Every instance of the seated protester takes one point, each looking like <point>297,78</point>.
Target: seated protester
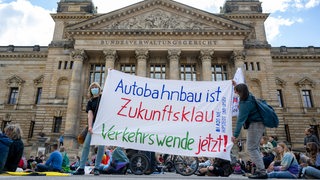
<point>54,163</point>
<point>205,162</point>
<point>23,163</point>
<point>16,147</point>
<point>65,160</point>
<point>311,169</point>
<point>29,162</point>
<point>220,167</point>
<point>288,166</point>
<point>117,164</point>
<point>5,143</point>
<point>75,164</point>
<point>266,148</point>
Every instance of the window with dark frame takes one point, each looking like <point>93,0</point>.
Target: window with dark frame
<point>128,68</point>
<point>280,97</point>
<point>97,74</point>
<point>188,72</point>
<point>219,72</point>
<point>38,95</point>
<point>307,100</point>
<point>60,64</point>
<point>245,66</point>
<point>57,121</point>
<point>158,71</point>
<point>65,64</point>
<point>31,129</point>
<point>13,97</point>
<point>71,64</point>
<point>288,136</point>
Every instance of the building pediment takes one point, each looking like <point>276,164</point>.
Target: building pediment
<point>305,82</point>
<point>158,15</point>
<point>15,80</point>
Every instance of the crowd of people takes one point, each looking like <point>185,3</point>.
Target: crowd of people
<point>268,158</point>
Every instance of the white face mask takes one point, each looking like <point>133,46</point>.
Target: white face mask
<point>95,91</point>
<point>235,95</point>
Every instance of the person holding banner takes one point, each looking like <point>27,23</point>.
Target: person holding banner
<point>250,118</point>
<point>94,92</point>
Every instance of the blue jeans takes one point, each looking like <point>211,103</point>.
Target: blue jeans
<point>85,153</point>
<point>281,175</point>
<point>311,171</point>
<point>254,135</point>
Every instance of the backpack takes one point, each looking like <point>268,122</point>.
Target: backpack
<point>269,116</point>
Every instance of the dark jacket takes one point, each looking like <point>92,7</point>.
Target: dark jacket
<point>14,156</point>
<point>248,111</point>
<point>5,143</point>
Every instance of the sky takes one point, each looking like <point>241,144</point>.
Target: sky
<point>291,23</point>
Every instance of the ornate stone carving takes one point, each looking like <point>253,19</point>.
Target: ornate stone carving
<point>79,54</point>
<point>305,82</point>
<point>174,54</point>
<point>110,54</point>
<point>206,54</point>
<point>16,80</point>
<point>238,55</point>
<point>38,80</point>
<point>142,54</point>
<point>157,20</point>
<point>280,82</point>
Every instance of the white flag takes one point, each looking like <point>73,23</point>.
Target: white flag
<point>238,78</point>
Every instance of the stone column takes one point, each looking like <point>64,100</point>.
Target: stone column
<point>142,55</point>
<point>110,56</point>
<point>238,56</point>
<point>206,58</point>
<point>173,57</point>
<point>74,101</point>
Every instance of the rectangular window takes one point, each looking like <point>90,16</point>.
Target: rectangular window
<point>97,74</point>
<point>13,97</point>
<point>60,64</point>
<point>57,124</point>
<point>128,68</point>
<point>280,97</point>
<point>158,71</point>
<point>31,129</point>
<point>188,72</point>
<point>245,66</point>
<point>258,66</point>
<point>288,136</point>
<point>38,96</point>
<point>307,100</point>
<point>65,64</point>
<point>219,72</point>
<point>71,64</point>
<point>4,124</point>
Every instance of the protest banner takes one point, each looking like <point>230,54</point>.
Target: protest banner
<point>166,116</point>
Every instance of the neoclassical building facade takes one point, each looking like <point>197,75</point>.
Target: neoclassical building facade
<point>44,88</point>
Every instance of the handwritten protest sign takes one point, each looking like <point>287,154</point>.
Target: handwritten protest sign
<point>166,116</point>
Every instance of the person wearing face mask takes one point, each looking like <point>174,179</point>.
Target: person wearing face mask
<point>94,92</point>
<point>250,118</point>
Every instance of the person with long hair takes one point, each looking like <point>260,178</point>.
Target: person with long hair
<point>250,118</point>
<point>94,92</point>
<point>311,169</point>
<point>286,167</point>
<point>13,131</point>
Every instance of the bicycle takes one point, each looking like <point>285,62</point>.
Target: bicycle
<point>184,165</point>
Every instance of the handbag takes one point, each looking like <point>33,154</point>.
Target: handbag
<point>82,136</point>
